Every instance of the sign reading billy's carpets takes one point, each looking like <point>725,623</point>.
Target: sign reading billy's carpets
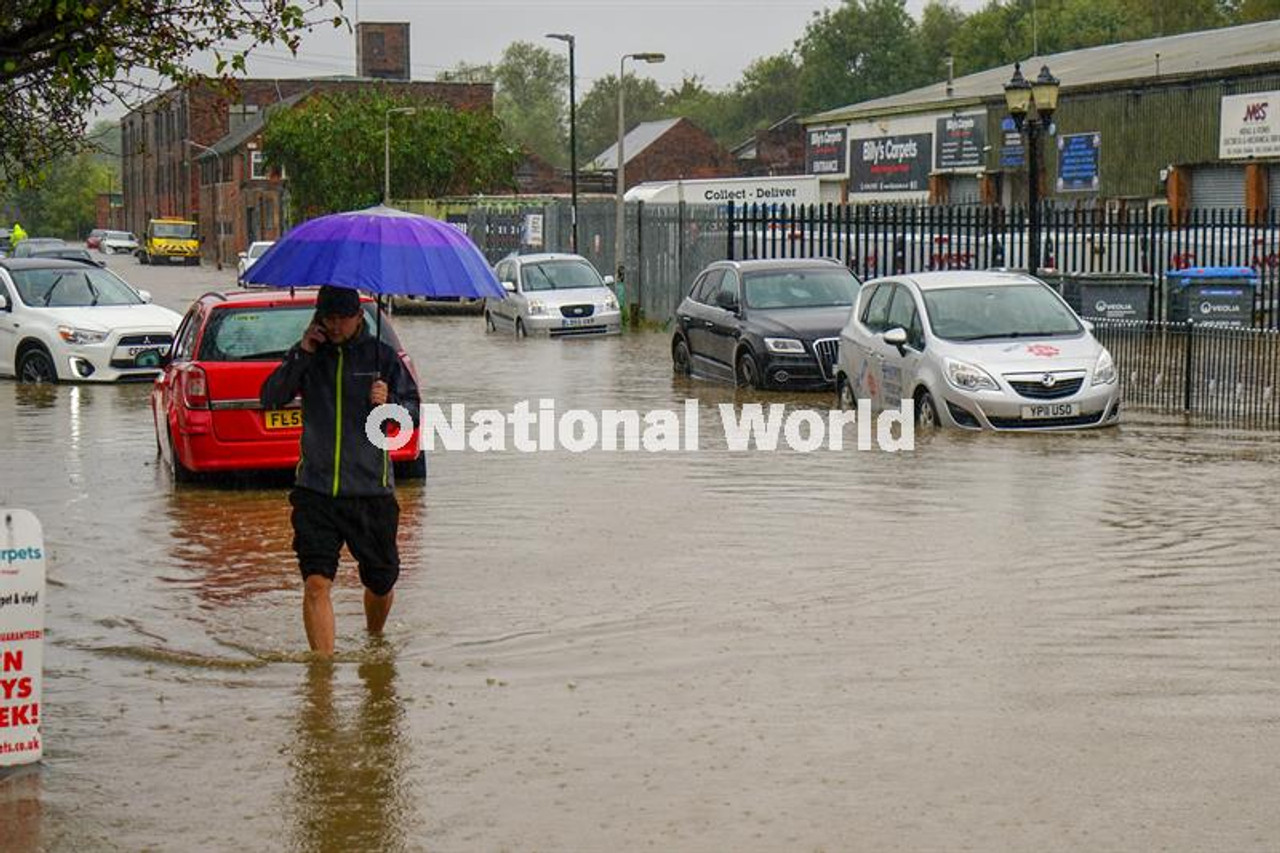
<point>21,636</point>
<point>1250,126</point>
<point>960,141</point>
<point>825,152</point>
<point>891,164</point>
<point>1079,162</point>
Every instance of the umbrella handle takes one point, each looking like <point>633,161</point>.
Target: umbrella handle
<point>378,339</point>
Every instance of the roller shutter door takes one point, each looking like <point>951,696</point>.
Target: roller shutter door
<point>964,189</point>
<point>1273,199</point>
<point>1218,186</point>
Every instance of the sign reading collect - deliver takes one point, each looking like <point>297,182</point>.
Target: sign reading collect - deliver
<point>21,636</point>
<point>1250,126</point>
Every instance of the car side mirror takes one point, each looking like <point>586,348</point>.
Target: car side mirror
<point>144,295</point>
<point>4,302</point>
<point>242,255</point>
<point>509,286</point>
<point>727,301</point>
<point>166,357</point>
<point>1088,325</point>
<point>896,337</point>
<point>610,280</point>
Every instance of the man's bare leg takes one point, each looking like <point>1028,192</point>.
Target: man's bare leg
<point>317,614</point>
<point>376,610</point>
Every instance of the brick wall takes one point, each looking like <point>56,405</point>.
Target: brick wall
<point>684,151</point>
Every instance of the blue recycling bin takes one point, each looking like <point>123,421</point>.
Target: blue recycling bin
<point>1220,295</point>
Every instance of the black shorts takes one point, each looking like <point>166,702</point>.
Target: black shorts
<point>367,525</point>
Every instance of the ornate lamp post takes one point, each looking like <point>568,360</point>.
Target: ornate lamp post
<point>1022,97</point>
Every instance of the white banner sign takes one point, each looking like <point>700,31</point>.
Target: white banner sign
<point>1250,126</point>
<point>21,636</point>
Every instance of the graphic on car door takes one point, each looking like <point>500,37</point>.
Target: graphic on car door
<point>900,364</point>
<point>866,356</point>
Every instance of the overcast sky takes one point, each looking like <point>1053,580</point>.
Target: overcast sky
<point>714,39</point>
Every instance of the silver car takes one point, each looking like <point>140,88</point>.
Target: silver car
<point>555,294</point>
<point>976,350</point>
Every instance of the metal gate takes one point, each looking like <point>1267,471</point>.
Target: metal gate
<point>1217,186</point>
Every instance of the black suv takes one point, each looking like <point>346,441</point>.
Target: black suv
<point>765,324</point>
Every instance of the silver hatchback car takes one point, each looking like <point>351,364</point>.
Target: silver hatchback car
<point>555,294</point>
<point>976,350</point>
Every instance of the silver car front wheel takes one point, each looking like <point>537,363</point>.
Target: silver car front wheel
<point>926,412</point>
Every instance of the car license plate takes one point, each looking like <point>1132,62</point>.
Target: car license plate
<point>284,418</point>
<point>578,321</point>
<point>1044,411</point>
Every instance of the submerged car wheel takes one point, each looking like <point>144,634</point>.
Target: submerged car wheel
<point>926,412</point>
<point>178,472</point>
<point>845,399</point>
<point>748,371</point>
<point>36,366</point>
<point>680,360</point>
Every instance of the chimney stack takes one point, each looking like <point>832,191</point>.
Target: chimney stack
<point>382,51</point>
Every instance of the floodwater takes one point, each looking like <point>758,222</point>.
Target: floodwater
<point>1054,643</point>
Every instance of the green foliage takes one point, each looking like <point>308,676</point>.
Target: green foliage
<point>1253,11</point>
<point>598,112</point>
<point>861,50</point>
<point>61,203</point>
<point>532,99</point>
<point>60,60</point>
<point>332,148</point>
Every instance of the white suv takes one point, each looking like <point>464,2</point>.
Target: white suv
<point>71,321</point>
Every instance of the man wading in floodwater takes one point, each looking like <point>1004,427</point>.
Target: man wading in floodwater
<point>345,489</point>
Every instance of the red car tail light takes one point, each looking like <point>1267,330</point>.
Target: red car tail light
<point>195,388</point>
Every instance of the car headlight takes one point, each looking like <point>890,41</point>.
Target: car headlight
<point>789,346</point>
<point>610,303</point>
<point>969,377</point>
<point>1104,373</point>
<point>536,307</point>
<point>73,335</point>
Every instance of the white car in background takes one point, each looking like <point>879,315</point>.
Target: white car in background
<point>554,294</point>
<point>114,242</point>
<point>249,257</point>
<point>69,321</point>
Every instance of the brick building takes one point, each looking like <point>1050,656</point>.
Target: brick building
<point>165,139</point>
<point>667,150</point>
<point>776,150</point>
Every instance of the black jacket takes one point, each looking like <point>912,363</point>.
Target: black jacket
<point>337,457</point>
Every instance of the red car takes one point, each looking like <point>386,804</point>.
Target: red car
<point>205,403</point>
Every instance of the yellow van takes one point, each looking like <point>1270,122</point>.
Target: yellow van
<point>170,240</point>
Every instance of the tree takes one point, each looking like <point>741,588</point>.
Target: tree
<point>1252,11</point>
<point>598,111</point>
<point>861,50</point>
<point>939,23</point>
<point>331,147</point>
<point>63,204</point>
<point>531,98</point>
<point>60,60</point>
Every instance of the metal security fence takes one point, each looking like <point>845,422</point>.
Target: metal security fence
<point>1221,374</point>
<point>876,241</point>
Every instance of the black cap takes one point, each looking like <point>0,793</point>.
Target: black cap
<point>337,301</point>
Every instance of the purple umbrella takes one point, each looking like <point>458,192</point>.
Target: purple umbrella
<point>382,251</point>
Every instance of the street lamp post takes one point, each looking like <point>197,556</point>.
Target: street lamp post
<point>620,244</point>
<point>1021,97</point>
<point>568,39</point>
<point>217,223</point>
<point>386,149</point>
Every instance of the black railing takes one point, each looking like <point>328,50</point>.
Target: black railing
<point>1221,374</point>
<point>876,241</point>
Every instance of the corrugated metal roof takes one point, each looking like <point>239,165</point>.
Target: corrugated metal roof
<point>1180,55</point>
<point>637,139</point>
